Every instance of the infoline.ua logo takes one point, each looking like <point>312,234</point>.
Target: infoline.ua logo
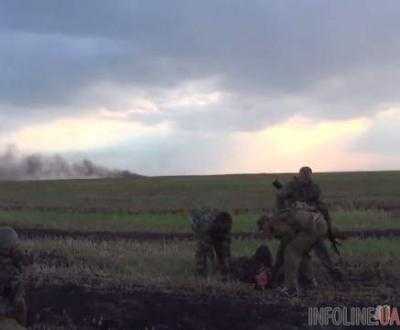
<point>382,315</point>
<point>387,315</point>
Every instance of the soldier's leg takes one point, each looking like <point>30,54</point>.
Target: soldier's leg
<point>277,270</point>
<point>18,299</point>
<point>223,252</point>
<point>203,252</point>
<point>321,252</point>
<point>293,257</point>
<point>306,275</point>
<point>279,258</point>
<point>21,311</point>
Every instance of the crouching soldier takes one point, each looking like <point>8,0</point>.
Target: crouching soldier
<point>12,290</point>
<point>212,230</point>
<point>298,230</point>
<point>254,270</point>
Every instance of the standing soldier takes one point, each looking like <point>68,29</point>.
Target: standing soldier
<point>12,290</point>
<point>303,191</point>
<point>212,230</point>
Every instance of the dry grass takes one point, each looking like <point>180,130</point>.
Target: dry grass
<point>169,265</point>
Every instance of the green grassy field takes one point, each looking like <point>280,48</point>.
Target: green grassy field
<point>158,194</point>
<point>356,219</point>
<point>356,200</point>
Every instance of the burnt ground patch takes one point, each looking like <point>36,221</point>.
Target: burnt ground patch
<point>73,306</point>
<point>79,307</point>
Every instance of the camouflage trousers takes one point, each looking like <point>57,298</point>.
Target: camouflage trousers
<point>305,275</point>
<point>293,257</point>
<point>12,296</point>
<point>208,249</point>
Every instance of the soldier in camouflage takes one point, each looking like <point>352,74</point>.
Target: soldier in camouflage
<point>12,290</point>
<point>212,229</point>
<point>298,231</point>
<point>303,190</point>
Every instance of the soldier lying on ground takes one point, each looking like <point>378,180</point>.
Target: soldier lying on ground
<point>253,270</point>
<point>12,290</point>
<point>298,231</point>
<point>212,231</point>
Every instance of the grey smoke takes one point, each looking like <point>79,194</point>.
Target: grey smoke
<point>15,166</point>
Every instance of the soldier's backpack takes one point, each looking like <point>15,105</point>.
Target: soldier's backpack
<point>210,221</point>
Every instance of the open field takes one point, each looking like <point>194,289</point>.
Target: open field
<point>170,264</point>
<point>155,273</point>
<point>174,223</point>
<point>115,262</point>
<point>172,194</point>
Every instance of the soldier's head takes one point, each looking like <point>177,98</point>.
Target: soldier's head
<point>263,256</point>
<point>305,174</point>
<point>9,241</point>
<point>222,225</point>
<point>263,224</point>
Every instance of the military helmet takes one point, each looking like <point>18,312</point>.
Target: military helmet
<point>8,238</point>
<point>305,173</point>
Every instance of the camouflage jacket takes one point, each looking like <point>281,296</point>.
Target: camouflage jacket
<point>298,191</point>
<point>209,222</point>
<point>11,276</point>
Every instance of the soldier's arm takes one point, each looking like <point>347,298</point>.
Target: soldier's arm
<point>284,195</point>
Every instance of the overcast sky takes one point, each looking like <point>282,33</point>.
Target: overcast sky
<point>194,87</point>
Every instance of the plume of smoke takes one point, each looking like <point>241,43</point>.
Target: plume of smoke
<point>15,166</point>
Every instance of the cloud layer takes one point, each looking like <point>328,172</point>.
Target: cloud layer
<point>177,81</point>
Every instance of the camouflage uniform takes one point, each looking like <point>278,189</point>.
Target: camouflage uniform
<point>308,192</point>
<point>12,290</point>
<point>299,230</point>
<point>212,229</point>
<point>247,269</point>
<point>301,191</point>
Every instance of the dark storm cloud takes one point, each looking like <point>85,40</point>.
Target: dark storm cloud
<point>335,59</point>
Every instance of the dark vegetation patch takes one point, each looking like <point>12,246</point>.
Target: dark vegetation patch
<point>151,236</point>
